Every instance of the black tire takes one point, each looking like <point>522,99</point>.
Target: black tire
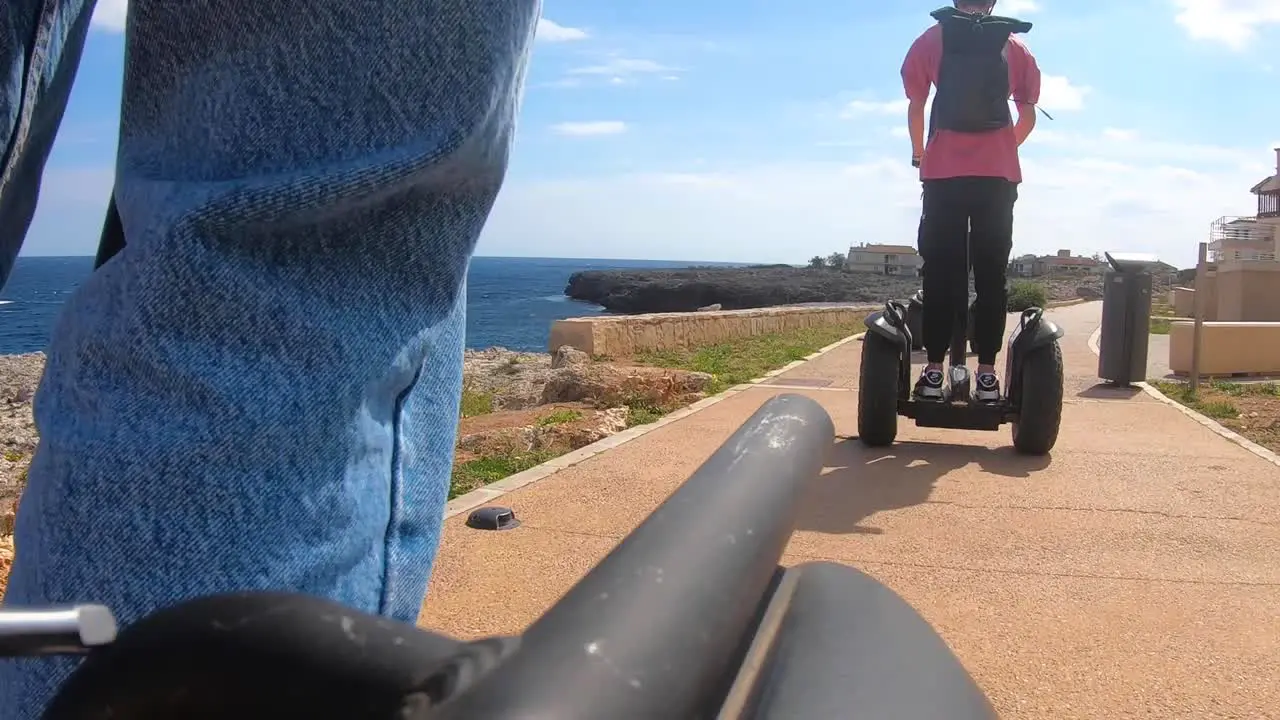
<point>1040,414</point>
<point>878,382</point>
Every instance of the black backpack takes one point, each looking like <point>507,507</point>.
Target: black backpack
<point>973,77</point>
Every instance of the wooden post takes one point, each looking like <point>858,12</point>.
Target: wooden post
<point>1201,272</point>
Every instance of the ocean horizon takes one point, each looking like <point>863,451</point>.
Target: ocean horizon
<point>511,302</point>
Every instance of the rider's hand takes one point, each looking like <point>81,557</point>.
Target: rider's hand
<point>915,161</point>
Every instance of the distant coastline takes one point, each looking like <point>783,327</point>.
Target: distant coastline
<point>511,302</point>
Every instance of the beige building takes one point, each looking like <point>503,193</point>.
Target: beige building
<point>1251,239</point>
<point>1242,239</point>
<point>1242,279</point>
<point>1061,263</point>
<point>884,259</point>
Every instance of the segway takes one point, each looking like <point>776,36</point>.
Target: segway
<point>1033,380</point>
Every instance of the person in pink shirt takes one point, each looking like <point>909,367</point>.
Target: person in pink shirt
<point>970,172</point>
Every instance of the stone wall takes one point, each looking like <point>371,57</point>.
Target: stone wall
<point>621,336</point>
<point>1226,348</point>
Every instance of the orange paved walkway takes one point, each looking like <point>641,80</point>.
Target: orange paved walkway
<point>1136,573</point>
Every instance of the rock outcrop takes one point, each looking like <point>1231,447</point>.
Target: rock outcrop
<point>575,428</point>
<point>707,289</point>
<point>644,291</point>
<point>604,385</point>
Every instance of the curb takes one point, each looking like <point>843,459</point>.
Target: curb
<point>491,492</point>
<point>1068,303</point>
<point>1204,420</point>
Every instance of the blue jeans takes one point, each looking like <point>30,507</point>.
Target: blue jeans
<point>261,390</point>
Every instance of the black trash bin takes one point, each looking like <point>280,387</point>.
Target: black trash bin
<point>1126,318</point>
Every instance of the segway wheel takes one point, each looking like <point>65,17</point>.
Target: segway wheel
<point>1040,414</point>
<point>878,381</point>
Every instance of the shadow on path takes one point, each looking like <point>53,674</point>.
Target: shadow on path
<point>1107,391</point>
<point>862,481</point>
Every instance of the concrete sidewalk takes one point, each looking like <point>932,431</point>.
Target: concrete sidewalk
<point>1132,574</point>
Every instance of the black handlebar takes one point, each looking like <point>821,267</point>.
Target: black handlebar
<point>690,616</point>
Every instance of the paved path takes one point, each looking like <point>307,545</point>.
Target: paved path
<point>1133,574</point>
<point>1158,358</point>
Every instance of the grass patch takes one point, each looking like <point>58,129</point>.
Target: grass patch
<point>12,455</point>
<point>483,471</point>
<point>730,364</point>
<point>476,403</point>
<point>738,361</point>
<point>1251,409</point>
<point>559,417</point>
<point>641,413</point>
<point>1210,404</point>
<point>1161,317</point>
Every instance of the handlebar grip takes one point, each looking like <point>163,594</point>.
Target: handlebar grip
<point>657,629</point>
<point>248,655</point>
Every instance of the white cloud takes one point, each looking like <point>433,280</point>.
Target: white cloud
<point>110,15</point>
<point>598,127</point>
<point>1234,23</point>
<point>1058,93</point>
<point>1086,193</point>
<point>863,108</point>
<point>1083,192</point>
<point>1016,8</point>
<point>552,32</point>
<point>621,66</point>
<point>1120,134</point>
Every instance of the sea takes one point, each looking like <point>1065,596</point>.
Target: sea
<point>511,302</point>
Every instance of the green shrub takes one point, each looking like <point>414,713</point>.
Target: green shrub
<point>1024,294</point>
<point>642,413</point>
<point>475,403</point>
<point>559,417</point>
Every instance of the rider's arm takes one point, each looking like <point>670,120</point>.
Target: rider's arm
<point>1026,93</point>
<point>918,70</point>
<point>915,126</point>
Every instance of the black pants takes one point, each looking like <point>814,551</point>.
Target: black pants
<point>976,212</point>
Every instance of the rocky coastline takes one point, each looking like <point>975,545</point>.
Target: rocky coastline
<point>528,402</point>
<point>692,289</point>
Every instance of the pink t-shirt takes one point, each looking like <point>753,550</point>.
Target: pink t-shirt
<point>951,154</point>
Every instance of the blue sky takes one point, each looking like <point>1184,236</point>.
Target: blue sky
<point>762,131</point>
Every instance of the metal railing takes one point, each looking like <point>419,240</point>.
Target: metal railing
<point>1238,239</point>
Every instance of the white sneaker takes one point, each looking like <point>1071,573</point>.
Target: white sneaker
<point>929,386</point>
<point>987,388</point>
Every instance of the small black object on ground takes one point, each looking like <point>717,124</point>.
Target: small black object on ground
<point>493,517</point>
